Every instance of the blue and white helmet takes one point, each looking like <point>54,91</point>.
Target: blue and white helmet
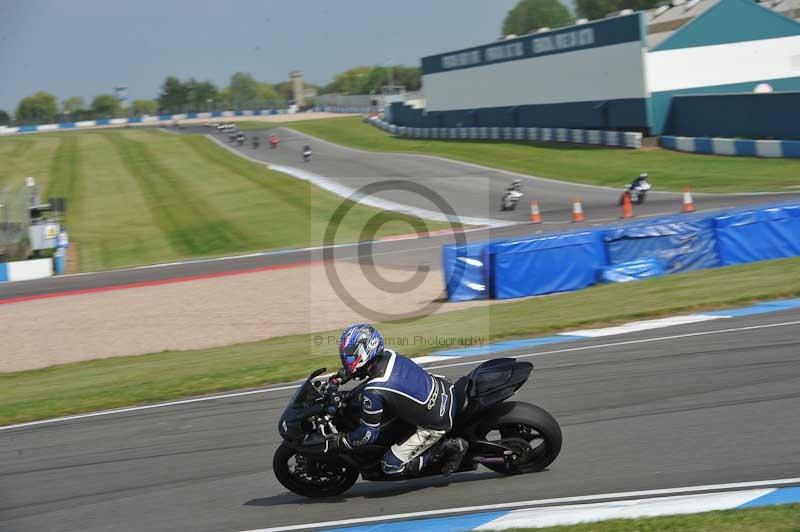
<point>359,345</point>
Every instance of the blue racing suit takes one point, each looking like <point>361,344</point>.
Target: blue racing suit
<point>398,387</point>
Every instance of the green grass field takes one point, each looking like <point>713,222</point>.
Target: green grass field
<point>116,382</point>
<point>615,167</point>
<point>139,196</point>
<point>780,518</point>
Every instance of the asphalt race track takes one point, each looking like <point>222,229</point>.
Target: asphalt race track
<point>679,406</point>
<point>471,190</point>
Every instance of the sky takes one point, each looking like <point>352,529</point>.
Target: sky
<point>85,47</point>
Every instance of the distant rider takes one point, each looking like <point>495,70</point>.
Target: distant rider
<point>396,386</point>
<point>637,183</point>
<point>515,185</point>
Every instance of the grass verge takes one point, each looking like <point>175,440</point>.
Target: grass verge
<point>144,196</point>
<point>780,518</point>
<point>115,382</point>
<point>614,167</point>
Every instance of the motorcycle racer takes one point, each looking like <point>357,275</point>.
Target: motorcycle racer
<point>398,387</point>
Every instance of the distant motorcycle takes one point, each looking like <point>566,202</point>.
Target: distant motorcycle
<point>510,200</point>
<point>273,141</point>
<point>638,191</point>
<point>306,154</point>
<point>255,142</point>
<point>512,196</point>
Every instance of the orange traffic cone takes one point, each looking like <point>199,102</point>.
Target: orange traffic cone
<point>627,208</point>
<point>536,217</point>
<point>577,210</point>
<point>688,203</point>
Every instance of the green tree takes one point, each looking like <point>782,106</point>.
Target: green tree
<point>267,94</point>
<point>5,118</point>
<point>143,107</point>
<point>529,15</point>
<point>244,90</point>
<point>372,79</point>
<point>284,89</point>
<point>595,9</point>
<point>73,105</point>
<point>203,95</point>
<point>350,81</point>
<point>106,106</point>
<point>225,98</point>
<point>407,76</point>
<point>39,108</point>
<point>174,96</point>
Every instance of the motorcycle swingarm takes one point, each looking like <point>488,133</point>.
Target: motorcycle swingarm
<point>487,448</point>
<point>484,452</point>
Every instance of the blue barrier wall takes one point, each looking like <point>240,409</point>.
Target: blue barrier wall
<point>548,264</point>
<point>465,271</point>
<point>758,235</point>
<point>570,261</point>
<point>681,245</point>
<point>633,270</point>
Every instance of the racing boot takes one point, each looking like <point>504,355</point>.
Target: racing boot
<point>450,453</point>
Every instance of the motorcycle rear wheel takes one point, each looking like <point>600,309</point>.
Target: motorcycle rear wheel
<point>331,478</point>
<point>536,440</point>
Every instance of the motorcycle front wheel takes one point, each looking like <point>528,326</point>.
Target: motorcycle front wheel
<point>310,477</point>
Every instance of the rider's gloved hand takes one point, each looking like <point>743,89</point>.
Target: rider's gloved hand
<point>335,443</point>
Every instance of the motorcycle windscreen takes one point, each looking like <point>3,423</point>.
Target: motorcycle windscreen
<point>307,394</point>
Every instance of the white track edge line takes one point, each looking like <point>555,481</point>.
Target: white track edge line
<point>541,502</point>
<point>470,362</point>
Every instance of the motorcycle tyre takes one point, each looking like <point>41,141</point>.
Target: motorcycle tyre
<point>280,467</point>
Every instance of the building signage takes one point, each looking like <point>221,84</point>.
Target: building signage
<point>563,41</point>
<point>595,34</point>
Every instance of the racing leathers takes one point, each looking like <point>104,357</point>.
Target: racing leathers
<point>397,386</point>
